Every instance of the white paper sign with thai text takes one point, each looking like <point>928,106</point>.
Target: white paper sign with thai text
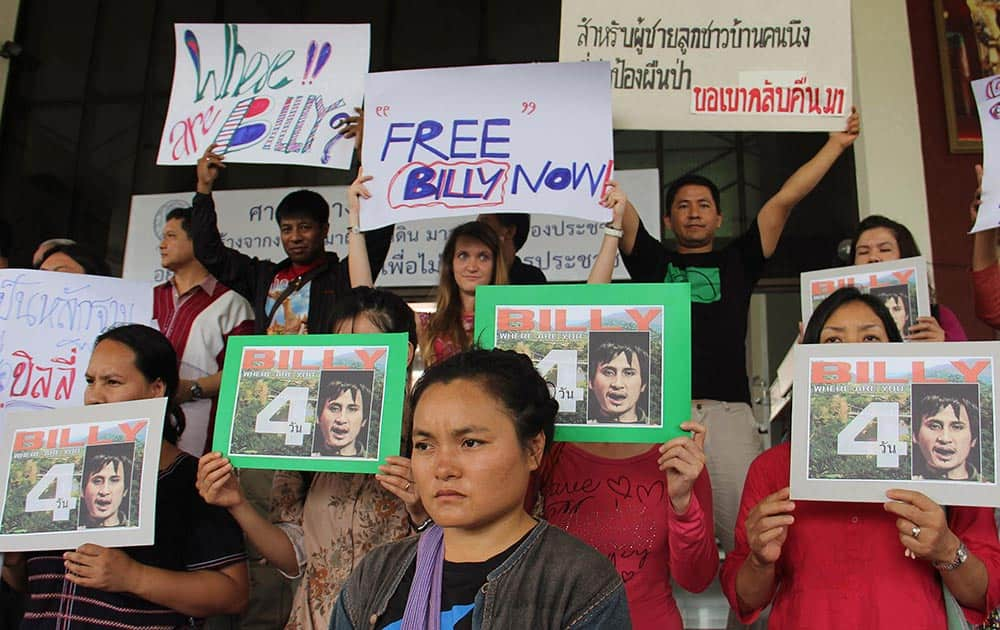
<point>265,93</point>
<point>563,248</point>
<point>751,65</point>
<point>459,141</point>
<point>987,93</point>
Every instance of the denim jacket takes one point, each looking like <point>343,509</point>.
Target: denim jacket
<point>551,581</point>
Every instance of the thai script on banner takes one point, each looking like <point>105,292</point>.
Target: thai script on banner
<point>671,68</point>
<point>265,93</point>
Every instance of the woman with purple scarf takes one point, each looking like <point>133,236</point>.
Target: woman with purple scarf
<point>481,423</point>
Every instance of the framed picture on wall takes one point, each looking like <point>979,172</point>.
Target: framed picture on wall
<point>968,33</point>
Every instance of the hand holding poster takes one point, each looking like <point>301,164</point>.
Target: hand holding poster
<point>987,93</point>
<point>265,93</point>
<point>48,323</point>
<point>329,403</point>
<point>80,475</point>
<point>617,357</point>
<point>900,284</point>
<point>753,65</point>
<point>870,418</point>
<point>518,138</point>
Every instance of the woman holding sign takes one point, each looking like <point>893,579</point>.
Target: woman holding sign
<point>197,565</point>
<point>856,565</point>
<point>324,523</point>
<point>481,423</point>
<point>647,507</point>
<point>880,239</point>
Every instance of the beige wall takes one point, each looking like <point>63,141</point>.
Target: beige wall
<point>890,166</point>
<point>8,20</point>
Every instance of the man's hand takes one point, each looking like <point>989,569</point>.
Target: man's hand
<point>851,131</point>
<point>209,165</point>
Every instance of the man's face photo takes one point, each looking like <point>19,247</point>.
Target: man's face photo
<point>103,493</point>
<point>945,440</point>
<point>340,422</point>
<point>617,385</point>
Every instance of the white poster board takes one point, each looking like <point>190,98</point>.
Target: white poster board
<point>987,93</point>
<point>867,418</point>
<point>266,93</point>
<point>750,65</point>
<point>900,284</point>
<point>48,323</point>
<point>47,460</point>
<point>563,248</point>
<point>459,141</point>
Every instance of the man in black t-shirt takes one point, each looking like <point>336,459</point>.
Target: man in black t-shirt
<point>722,282</point>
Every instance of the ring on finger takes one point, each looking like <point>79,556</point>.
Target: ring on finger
<point>407,488</point>
<point>915,531</point>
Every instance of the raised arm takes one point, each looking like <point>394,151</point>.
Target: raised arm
<point>604,264</point>
<point>232,268</point>
<point>984,244</point>
<point>774,214</point>
<point>219,486</point>
<point>359,266</point>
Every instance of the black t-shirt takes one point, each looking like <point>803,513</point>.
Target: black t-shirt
<point>722,282</point>
<point>523,273</point>
<point>460,581</point>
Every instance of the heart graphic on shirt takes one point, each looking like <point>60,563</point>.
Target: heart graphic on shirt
<point>627,575</point>
<point>621,486</point>
<point>650,495</point>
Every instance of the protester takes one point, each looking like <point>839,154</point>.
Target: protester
<point>722,282</point>
<point>823,564</point>
<point>985,266</point>
<point>481,423</point>
<point>198,314</point>
<point>513,228</point>
<point>322,524</point>
<point>74,259</point>
<point>44,247</point>
<point>196,566</point>
<point>880,239</point>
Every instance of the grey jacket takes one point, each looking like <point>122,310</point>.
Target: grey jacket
<point>552,581</point>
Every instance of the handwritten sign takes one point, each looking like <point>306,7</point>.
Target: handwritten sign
<point>564,248</point>
<point>80,475</point>
<point>750,65</point>
<point>901,284</point>
<point>870,417</point>
<point>517,138</point>
<point>48,323</point>
<point>266,93</point>
<point>617,358</point>
<point>987,93</point>
<point>316,402</point>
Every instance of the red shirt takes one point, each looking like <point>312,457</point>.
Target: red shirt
<point>842,565</point>
<point>986,291</point>
<point>621,508</point>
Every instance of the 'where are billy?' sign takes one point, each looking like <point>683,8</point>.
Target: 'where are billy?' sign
<point>459,141</point>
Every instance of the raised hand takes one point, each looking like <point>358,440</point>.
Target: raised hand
<point>396,476</point>
<point>217,482</point>
<point>926,329</point>
<point>767,527</point>
<point>851,130</point>
<point>209,165</point>
<point>683,459</point>
<point>616,199</point>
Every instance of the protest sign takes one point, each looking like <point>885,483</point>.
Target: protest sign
<point>48,323</point>
<point>987,92</point>
<point>752,65</point>
<point>265,93</point>
<point>563,248</point>
<point>871,417</point>
<point>616,357</point>
<point>900,284</point>
<point>329,403</point>
<point>516,138</point>
<point>80,475</point>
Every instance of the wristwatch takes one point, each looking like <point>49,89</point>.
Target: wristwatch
<point>196,392</point>
<point>960,557</point>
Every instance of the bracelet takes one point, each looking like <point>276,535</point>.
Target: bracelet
<point>353,229</point>
<point>421,527</point>
<point>611,230</point>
